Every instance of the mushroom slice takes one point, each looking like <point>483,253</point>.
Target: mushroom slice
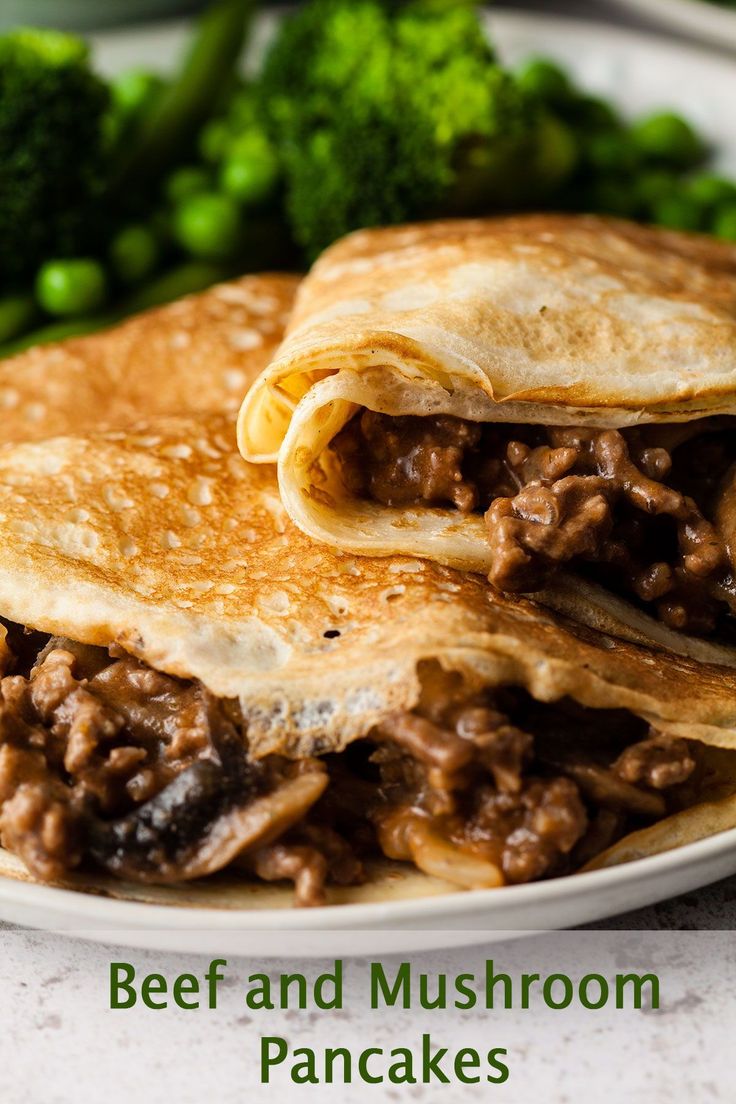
<point>201,821</point>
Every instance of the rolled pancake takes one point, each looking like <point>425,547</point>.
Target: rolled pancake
<point>548,320</point>
<point>160,542</point>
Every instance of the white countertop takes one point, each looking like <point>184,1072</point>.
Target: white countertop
<point>61,1043</point>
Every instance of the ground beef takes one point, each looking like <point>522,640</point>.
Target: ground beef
<point>659,762</point>
<point>109,764</point>
<point>411,459</point>
<point>106,761</point>
<point>310,856</point>
<point>526,787</point>
<point>540,823</point>
<point>606,499</point>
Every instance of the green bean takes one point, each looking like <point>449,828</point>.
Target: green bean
<point>187,100</point>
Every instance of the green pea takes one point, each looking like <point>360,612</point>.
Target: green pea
<point>251,169</point>
<point>134,253</point>
<point>159,223</point>
<point>208,225</point>
<point>251,142</point>
<point>612,196</point>
<point>544,79</point>
<point>655,185</point>
<point>593,113</point>
<point>611,151</point>
<point>711,190</point>
<point>187,181</point>
<point>669,138</point>
<point>214,140</point>
<point>242,110</point>
<point>135,90</point>
<point>724,223</point>
<point>556,152</point>
<point>678,212</point>
<point>16,315</point>
<point>70,287</point>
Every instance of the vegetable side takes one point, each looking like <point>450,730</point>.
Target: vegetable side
<point>117,196</point>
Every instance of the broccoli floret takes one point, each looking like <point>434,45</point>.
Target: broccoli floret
<point>52,150</point>
<point>385,112</point>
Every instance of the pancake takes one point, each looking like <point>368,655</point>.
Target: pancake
<point>546,399</point>
<point>196,355</point>
<point>192,686</point>
<point>200,687</point>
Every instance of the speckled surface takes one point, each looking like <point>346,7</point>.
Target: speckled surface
<point>60,1042</point>
<point>712,908</point>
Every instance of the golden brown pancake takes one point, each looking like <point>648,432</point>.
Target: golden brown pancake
<point>209,689</point>
<point>196,355</point>
<point>158,542</point>
<point>549,332</point>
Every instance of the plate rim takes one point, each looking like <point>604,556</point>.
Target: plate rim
<point>510,20</point>
<point>706,21</point>
<point>110,912</point>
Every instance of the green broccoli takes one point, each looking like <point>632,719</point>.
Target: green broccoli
<point>385,112</point>
<point>52,150</point>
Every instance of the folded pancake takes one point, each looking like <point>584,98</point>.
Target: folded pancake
<point>195,355</point>
<point>190,685</point>
<point>545,399</point>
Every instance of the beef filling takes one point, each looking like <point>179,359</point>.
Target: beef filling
<point>632,505</point>
<point>106,763</point>
<point>532,790</point>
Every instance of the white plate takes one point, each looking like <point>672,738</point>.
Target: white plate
<point>456,919</point>
<point>699,18</point>
<point>640,73</point>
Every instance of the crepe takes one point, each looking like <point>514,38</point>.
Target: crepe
<point>195,355</point>
<point>261,692</point>
<point>544,320</point>
<point>160,541</point>
<point>163,540</point>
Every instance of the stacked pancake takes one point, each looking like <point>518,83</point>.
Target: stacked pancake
<point>463,610</point>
